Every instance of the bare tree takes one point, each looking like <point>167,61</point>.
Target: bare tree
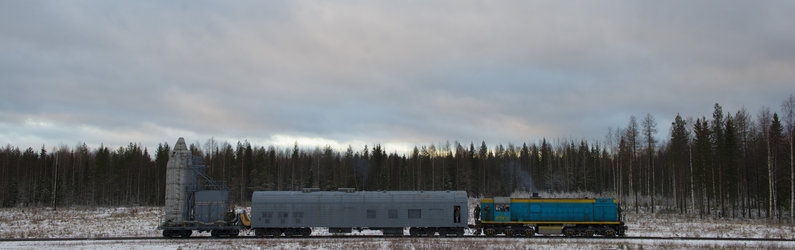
<point>690,162</point>
<point>649,129</point>
<point>764,125</point>
<point>632,140</point>
<point>787,108</point>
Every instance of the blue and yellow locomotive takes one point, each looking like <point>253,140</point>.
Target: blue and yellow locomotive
<point>570,217</point>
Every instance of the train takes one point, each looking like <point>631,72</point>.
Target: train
<point>195,202</point>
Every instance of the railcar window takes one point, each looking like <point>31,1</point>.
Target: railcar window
<point>267,216</point>
<point>393,213</point>
<point>283,216</point>
<point>371,213</point>
<point>298,216</point>
<point>415,213</point>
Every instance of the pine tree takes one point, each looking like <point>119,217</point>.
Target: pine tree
<point>678,150</point>
<point>730,155</point>
<point>702,153</point>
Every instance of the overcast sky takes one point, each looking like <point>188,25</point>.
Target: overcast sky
<point>396,73</point>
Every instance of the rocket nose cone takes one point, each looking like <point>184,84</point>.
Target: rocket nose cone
<point>180,144</point>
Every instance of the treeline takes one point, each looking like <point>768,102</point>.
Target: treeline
<point>81,176</point>
<point>730,164</point>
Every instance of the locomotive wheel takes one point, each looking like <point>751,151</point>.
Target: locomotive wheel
<point>589,233</point>
<point>509,232</point>
<point>610,233</point>
<point>569,233</point>
<point>186,233</point>
<point>490,232</point>
<point>168,234</point>
<point>414,232</point>
<point>529,232</point>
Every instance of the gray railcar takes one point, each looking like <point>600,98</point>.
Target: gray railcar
<point>293,213</point>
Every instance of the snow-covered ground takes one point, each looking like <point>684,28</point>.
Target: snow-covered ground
<point>142,221</point>
<point>399,243</point>
<point>89,222</point>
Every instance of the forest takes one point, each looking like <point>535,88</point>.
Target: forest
<point>730,164</point>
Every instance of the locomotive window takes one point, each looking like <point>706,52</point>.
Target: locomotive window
<point>415,213</point>
<point>393,213</point>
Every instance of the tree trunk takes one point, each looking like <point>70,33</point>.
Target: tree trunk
<point>792,181</point>
<point>692,182</point>
<point>770,183</point>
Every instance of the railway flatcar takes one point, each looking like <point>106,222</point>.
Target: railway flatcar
<point>294,213</point>
<point>570,217</point>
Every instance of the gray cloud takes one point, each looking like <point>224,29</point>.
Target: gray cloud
<point>393,72</point>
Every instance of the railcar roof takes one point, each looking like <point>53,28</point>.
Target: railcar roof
<point>299,196</point>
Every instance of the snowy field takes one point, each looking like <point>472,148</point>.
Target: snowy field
<point>400,243</point>
<point>87,222</point>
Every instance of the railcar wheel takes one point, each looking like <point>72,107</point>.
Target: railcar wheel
<point>305,232</point>
<point>186,233</point>
<point>274,232</point>
<point>259,232</point>
<point>459,232</point>
<point>215,234</point>
<point>414,232</point>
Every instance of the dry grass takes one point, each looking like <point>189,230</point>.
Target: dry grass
<point>78,222</point>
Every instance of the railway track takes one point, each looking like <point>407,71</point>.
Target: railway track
<point>320,237</point>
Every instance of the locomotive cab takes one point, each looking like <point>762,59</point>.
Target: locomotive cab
<point>502,209</point>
